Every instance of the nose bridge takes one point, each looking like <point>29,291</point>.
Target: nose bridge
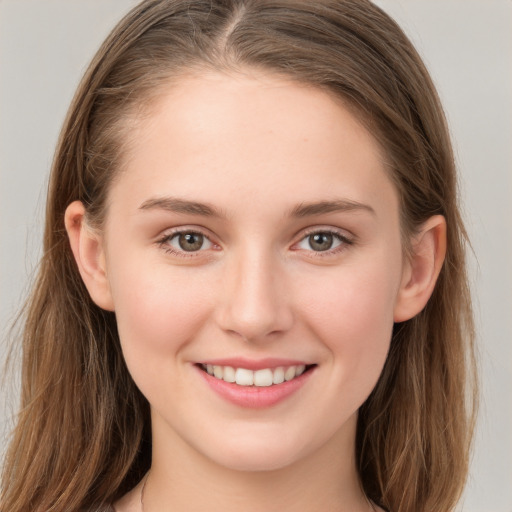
<point>255,303</point>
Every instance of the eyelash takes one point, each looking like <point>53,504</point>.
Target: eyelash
<point>343,240</point>
<point>164,242</point>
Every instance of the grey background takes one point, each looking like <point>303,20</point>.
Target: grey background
<point>467,45</point>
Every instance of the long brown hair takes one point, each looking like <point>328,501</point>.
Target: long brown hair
<point>83,432</point>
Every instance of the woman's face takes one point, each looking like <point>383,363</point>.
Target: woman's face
<point>253,232</point>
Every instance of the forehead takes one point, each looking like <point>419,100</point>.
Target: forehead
<point>219,137</point>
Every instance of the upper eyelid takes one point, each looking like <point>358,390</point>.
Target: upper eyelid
<point>343,233</point>
<point>171,232</point>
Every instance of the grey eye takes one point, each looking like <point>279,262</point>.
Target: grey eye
<point>320,241</point>
<point>190,242</point>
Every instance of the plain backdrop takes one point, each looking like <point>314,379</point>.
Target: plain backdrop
<point>45,46</point>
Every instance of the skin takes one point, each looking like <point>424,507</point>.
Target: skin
<point>254,148</point>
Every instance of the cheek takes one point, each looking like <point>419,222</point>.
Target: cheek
<point>353,316</point>
<point>157,311</point>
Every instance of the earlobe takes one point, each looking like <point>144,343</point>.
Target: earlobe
<point>89,253</point>
<point>428,250</point>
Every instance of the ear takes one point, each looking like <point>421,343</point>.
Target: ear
<point>421,270</point>
<point>89,252</point>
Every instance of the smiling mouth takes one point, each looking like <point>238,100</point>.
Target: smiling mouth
<point>265,377</point>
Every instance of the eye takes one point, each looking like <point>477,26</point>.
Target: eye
<point>322,241</point>
<point>186,241</point>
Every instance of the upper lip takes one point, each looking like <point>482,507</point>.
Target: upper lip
<point>254,364</point>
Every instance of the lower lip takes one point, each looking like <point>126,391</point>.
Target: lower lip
<point>255,397</point>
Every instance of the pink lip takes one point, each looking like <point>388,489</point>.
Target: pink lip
<point>254,397</point>
<point>252,364</point>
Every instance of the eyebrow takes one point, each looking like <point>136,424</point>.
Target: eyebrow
<point>177,205</point>
<point>322,207</point>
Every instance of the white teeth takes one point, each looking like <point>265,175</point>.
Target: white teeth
<point>263,378</point>
<point>229,374</point>
<point>289,374</point>
<point>218,372</point>
<point>300,370</point>
<point>244,377</point>
<point>259,378</point>
<point>278,375</point>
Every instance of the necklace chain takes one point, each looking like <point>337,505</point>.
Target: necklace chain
<point>142,492</point>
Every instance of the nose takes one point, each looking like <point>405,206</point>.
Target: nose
<point>254,303</point>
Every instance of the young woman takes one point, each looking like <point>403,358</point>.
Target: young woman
<point>253,291</point>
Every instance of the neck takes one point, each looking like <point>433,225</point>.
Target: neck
<point>183,479</point>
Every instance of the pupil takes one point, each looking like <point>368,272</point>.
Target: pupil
<point>320,241</point>
<point>191,241</point>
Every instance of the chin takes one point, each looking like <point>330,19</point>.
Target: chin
<point>249,456</point>
<point>257,462</point>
